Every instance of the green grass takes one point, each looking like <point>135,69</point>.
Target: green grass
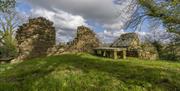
<point>84,72</point>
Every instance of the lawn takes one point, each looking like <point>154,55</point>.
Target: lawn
<point>85,72</point>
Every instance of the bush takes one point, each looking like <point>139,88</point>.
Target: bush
<point>170,53</point>
<point>8,51</point>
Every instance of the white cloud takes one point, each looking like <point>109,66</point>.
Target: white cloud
<point>160,35</point>
<point>68,14</point>
<point>109,36</point>
<point>102,11</point>
<point>64,22</point>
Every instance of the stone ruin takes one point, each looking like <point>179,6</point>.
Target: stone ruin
<point>85,40</point>
<point>129,40</point>
<point>148,51</point>
<point>35,38</point>
<point>135,48</point>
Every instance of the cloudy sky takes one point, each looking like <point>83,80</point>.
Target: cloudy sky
<point>105,17</point>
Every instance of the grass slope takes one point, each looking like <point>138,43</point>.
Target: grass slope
<point>84,72</point>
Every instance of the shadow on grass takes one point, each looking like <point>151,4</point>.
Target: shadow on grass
<point>129,73</point>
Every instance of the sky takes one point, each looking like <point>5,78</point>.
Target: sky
<point>104,17</point>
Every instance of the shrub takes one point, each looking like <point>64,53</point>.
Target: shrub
<point>9,51</point>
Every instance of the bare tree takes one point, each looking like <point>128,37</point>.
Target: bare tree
<point>167,11</point>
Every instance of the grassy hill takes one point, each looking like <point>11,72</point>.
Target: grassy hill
<point>84,72</point>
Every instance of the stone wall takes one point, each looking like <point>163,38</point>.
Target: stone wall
<point>148,51</point>
<point>135,48</point>
<point>35,38</point>
<point>128,40</point>
<point>84,41</point>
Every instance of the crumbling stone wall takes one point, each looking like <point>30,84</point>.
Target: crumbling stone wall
<point>148,51</point>
<point>35,37</point>
<point>135,48</point>
<point>84,41</point>
<point>129,40</point>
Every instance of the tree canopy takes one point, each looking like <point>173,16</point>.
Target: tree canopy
<point>6,5</point>
<point>166,10</point>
